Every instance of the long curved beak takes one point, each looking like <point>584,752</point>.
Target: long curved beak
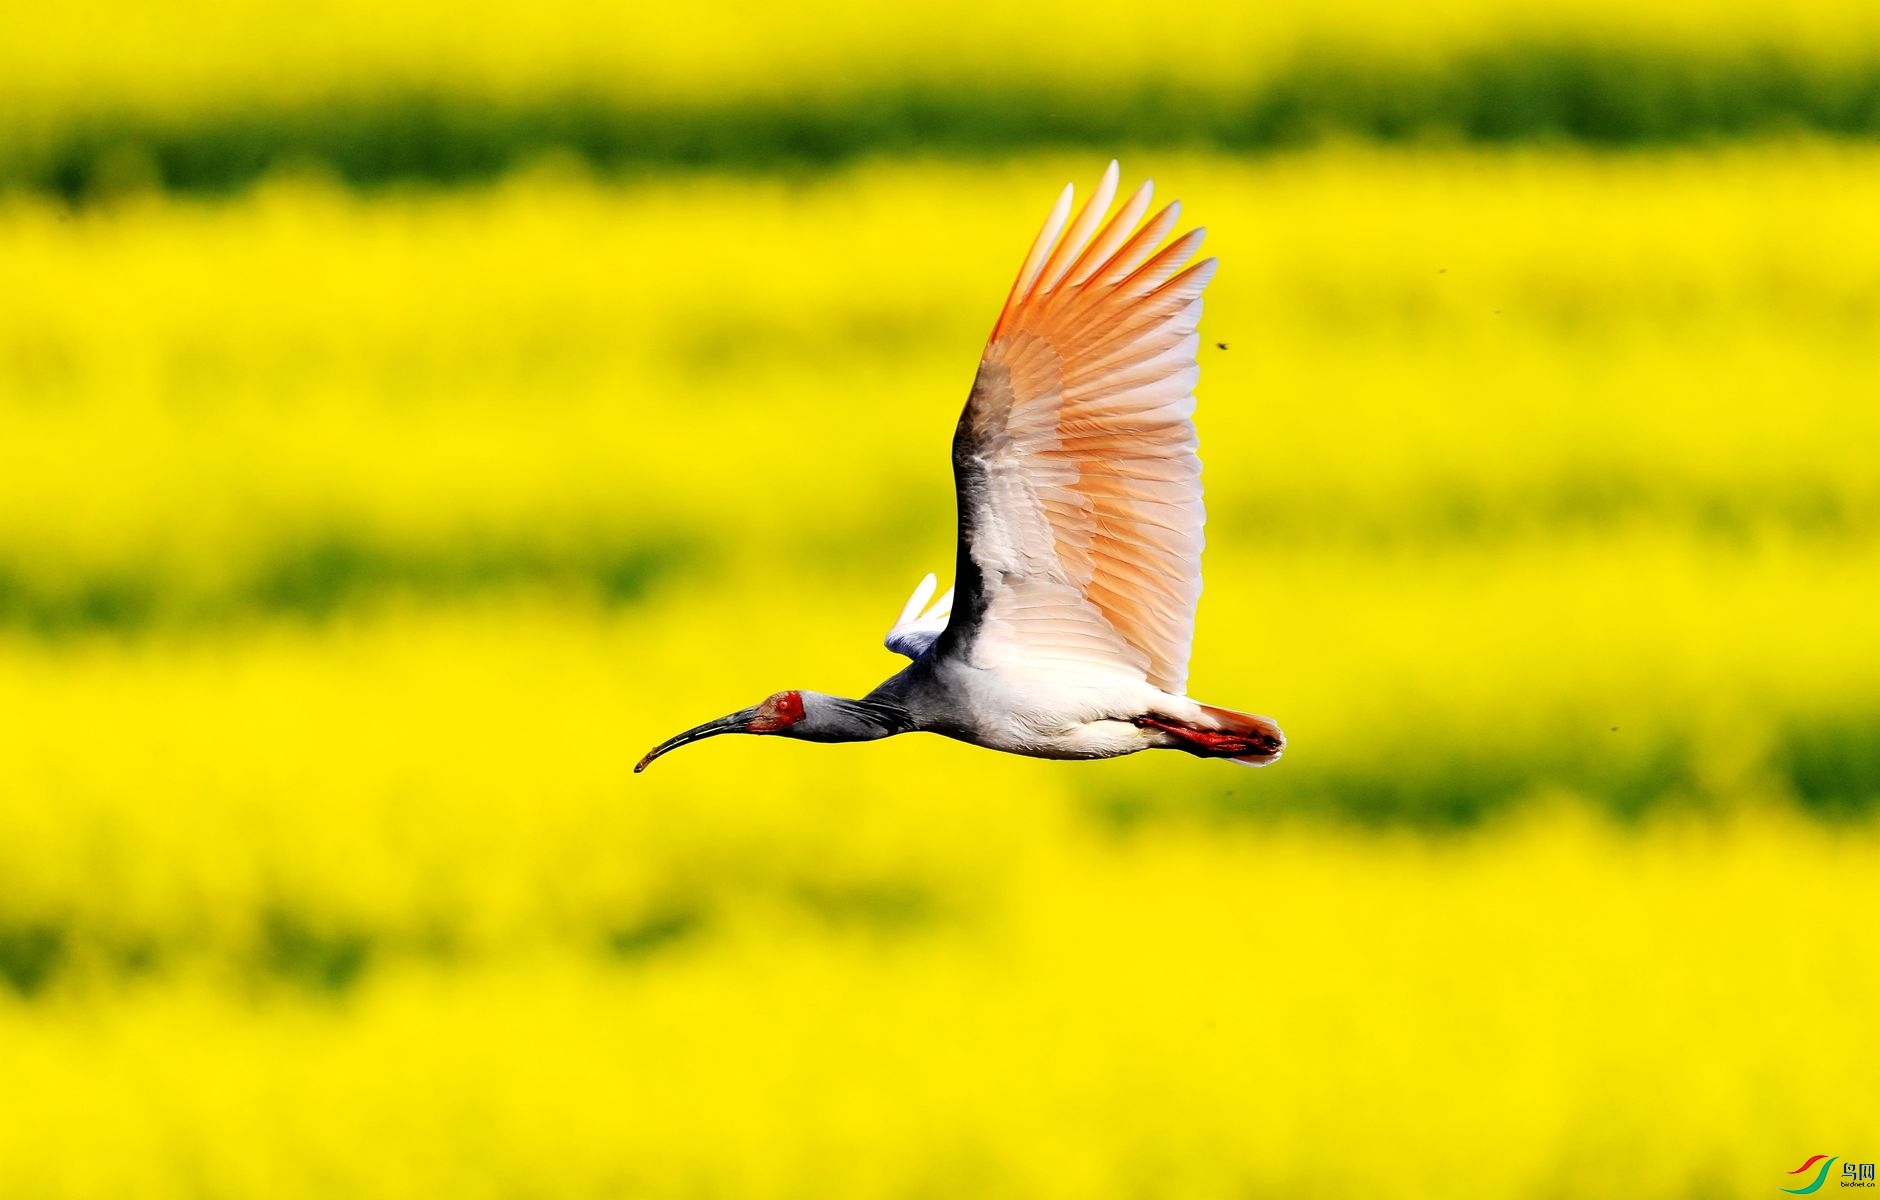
<point>737,722</point>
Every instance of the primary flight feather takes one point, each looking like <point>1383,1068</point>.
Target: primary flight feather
<point>1067,631</point>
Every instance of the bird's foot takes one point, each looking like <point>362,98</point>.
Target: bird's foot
<point>1214,743</point>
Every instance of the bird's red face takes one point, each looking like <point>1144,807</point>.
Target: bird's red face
<point>778,713</point>
<point>775,715</point>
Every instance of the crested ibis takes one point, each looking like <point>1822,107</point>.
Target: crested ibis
<point>1067,632</point>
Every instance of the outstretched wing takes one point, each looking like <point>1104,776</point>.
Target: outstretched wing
<point>920,624</point>
<point>1079,485</point>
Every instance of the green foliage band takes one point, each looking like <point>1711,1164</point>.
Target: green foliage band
<point>1596,95</point>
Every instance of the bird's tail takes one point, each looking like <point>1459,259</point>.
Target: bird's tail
<point>1245,738</point>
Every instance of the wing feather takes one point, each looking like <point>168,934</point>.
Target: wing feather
<point>1107,243</point>
<point>1034,261</point>
<point>1080,489</point>
<point>923,619</point>
<point>1093,212</point>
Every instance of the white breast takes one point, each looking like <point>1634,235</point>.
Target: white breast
<point>1071,717</point>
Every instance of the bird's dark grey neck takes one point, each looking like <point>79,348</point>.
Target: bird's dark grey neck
<point>839,719</point>
<point>912,695</point>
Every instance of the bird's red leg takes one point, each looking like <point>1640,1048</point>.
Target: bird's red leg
<point>1210,743</point>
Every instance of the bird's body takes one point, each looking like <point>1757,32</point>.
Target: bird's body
<point>1002,711</point>
<point>1065,715</point>
<point>1078,569</point>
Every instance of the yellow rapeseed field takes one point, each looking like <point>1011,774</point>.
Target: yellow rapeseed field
<point>1514,346</point>
<point>353,546</point>
<point>65,61</point>
<point>1553,1011</point>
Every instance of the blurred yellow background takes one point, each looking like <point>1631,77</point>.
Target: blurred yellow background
<point>369,506</point>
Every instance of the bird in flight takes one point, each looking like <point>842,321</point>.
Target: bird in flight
<point>1067,631</point>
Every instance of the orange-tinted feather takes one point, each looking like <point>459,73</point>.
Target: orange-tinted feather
<point>1081,416</point>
